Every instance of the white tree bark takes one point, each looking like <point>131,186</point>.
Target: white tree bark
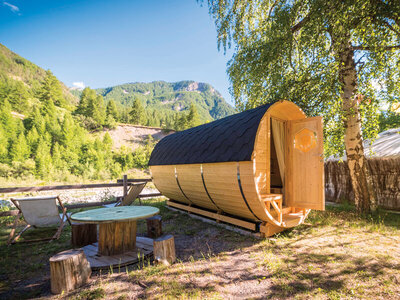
<point>364,194</point>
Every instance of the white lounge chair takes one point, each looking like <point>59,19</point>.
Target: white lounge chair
<point>39,212</point>
<point>133,193</point>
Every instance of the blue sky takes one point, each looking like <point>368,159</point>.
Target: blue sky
<point>105,43</point>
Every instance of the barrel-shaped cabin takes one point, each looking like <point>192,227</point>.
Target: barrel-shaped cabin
<point>261,169</point>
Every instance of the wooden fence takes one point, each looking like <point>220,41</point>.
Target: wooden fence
<point>125,183</point>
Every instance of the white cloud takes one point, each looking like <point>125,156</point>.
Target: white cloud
<point>13,8</point>
<point>79,85</point>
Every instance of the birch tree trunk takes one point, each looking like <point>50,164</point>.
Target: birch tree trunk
<point>364,194</point>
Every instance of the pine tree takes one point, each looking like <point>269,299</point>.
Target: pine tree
<point>3,145</point>
<point>18,97</point>
<point>107,142</point>
<point>37,120</point>
<point>193,118</point>
<point>19,150</point>
<point>137,112</point>
<point>87,94</point>
<point>99,112</point>
<point>182,122</point>
<point>43,159</point>
<point>7,120</point>
<point>32,138</point>
<point>92,105</point>
<point>112,109</point>
<point>68,131</point>
<point>48,107</point>
<point>110,122</point>
<point>57,158</point>
<point>51,91</point>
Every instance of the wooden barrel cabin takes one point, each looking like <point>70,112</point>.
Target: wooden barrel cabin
<point>261,169</point>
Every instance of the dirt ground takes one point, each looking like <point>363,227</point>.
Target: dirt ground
<point>335,255</point>
<point>132,136</point>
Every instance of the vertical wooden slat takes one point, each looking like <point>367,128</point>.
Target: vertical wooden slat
<point>125,186</point>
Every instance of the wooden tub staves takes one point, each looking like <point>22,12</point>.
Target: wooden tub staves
<point>261,169</point>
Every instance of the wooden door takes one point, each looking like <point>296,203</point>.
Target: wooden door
<point>304,181</point>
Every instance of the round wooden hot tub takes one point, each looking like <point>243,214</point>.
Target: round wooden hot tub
<point>261,169</point>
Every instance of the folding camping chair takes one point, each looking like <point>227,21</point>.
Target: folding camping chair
<point>133,193</point>
<point>39,212</point>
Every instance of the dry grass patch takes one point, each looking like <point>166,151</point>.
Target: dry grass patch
<point>337,255</point>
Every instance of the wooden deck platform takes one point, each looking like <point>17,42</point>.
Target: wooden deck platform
<point>144,249</point>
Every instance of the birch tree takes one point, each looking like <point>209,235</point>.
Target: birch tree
<point>339,59</point>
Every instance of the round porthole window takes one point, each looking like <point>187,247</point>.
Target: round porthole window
<point>305,140</point>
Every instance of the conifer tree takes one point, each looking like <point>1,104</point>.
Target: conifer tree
<point>107,142</point>
<point>193,118</point>
<point>19,149</point>
<point>32,139</point>
<point>92,105</point>
<point>3,145</point>
<point>51,91</point>
<point>82,108</point>
<point>137,112</point>
<point>18,96</point>
<point>43,159</point>
<point>57,158</point>
<point>111,109</point>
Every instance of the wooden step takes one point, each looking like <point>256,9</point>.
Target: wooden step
<point>285,210</point>
<point>271,197</point>
<point>292,219</point>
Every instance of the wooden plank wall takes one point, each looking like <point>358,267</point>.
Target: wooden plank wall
<point>189,177</point>
<point>165,181</point>
<point>222,184</point>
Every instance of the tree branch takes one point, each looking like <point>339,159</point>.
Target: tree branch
<point>301,23</point>
<point>366,48</point>
<point>391,28</point>
<point>272,8</point>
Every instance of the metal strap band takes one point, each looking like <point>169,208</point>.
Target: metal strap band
<point>177,181</point>
<point>205,188</point>
<point>241,191</point>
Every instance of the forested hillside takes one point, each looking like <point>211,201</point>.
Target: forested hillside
<point>21,80</point>
<point>164,98</point>
<point>48,137</point>
<point>165,104</point>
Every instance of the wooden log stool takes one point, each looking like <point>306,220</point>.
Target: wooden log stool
<point>83,234</point>
<point>164,250</point>
<point>68,270</point>
<point>154,227</point>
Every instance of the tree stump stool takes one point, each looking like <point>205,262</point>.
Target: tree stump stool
<point>154,227</point>
<point>68,270</point>
<point>164,250</point>
<point>83,234</point>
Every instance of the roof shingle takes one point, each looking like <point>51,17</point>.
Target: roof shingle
<point>228,139</point>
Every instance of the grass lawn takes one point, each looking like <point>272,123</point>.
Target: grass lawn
<point>335,255</point>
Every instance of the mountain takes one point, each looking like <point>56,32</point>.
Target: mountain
<point>21,82</point>
<point>19,73</point>
<point>164,96</point>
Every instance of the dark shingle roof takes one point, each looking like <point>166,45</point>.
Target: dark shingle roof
<point>228,139</point>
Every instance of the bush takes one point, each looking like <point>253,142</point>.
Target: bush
<point>5,170</point>
<point>22,169</point>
